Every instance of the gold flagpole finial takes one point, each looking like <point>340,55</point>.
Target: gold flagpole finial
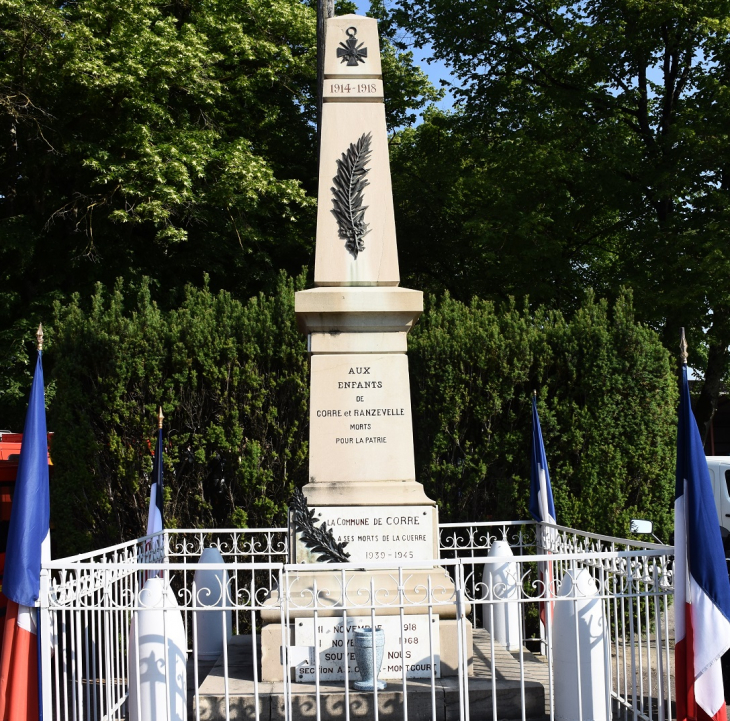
<point>682,348</point>
<point>160,418</point>
<point>39,337</point>
<point>534,393</point>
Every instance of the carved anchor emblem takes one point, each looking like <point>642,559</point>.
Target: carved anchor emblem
<point>350,51</point>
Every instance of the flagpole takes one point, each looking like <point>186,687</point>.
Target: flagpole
<point>683,358</point>
<point>160,419</point>
<point>27,549</point>
<point>45,694</point>
<point>683,666</point>
<point>155,519</point>
<point>701,588</point>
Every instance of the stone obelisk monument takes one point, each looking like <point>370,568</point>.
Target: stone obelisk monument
<point>362,479</point>
<point>357,318</point>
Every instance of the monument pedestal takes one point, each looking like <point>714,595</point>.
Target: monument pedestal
<point>361,430</point>
<point>327,591</point>
<point>271,636</point>
<point>365,493</point>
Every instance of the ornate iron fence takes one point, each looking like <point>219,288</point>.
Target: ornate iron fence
<point>513,621</point>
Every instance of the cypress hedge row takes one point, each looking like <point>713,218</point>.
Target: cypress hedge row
<point>232,379</point>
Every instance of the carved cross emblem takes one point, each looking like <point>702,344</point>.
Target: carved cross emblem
<point>350,51</point>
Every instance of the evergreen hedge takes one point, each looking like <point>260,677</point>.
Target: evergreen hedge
<point>232,379</point>
<point>607,398</point>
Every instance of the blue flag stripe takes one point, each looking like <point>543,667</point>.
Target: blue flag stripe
<point>157,474</point>
<point>31,509</point>
<point>539,461</point>
<point>706,557</point>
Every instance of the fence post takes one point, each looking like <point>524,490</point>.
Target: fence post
<point>46,646</point>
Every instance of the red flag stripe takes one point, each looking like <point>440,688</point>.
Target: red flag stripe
<point>18,669</point>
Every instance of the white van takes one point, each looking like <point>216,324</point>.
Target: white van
<point>719,467</point>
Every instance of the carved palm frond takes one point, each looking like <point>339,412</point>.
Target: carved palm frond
<point>349,184</point>
<point>318,540</point>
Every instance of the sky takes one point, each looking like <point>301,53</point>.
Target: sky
<point>438,70</point>
<point>435,70</point>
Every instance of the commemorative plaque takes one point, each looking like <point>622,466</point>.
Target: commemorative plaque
<point>411,642</point>
<point>360,418</point>
<point>377,533</point>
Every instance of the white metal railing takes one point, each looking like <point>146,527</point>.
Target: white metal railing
<point>92,604</point>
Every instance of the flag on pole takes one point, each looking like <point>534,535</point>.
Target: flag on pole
<point>701,587</point>
<point>28,545</point>
<point>542,508</point>
<point>155,519</point>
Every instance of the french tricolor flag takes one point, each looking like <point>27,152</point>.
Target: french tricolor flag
<point>28,544</point>
<point>541,507</point>
<point>155,517</point>
<point>701,587</point>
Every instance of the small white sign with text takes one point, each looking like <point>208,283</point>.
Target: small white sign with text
<point>419,649</point>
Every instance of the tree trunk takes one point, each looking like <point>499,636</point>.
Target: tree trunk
<point>325,9</point>
<point>717,363</point>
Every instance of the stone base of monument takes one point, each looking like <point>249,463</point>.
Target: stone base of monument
<point>244,697</point>
<point>419,608</point>
<point>356,596</point>
<point>447,655</point>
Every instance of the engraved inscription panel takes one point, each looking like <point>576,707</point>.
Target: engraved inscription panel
<point>349,91</point>
<point>360,419</point>
<point>377,533</point>
<point>420,649</point>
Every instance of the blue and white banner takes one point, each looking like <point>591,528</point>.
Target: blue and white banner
<point>701,587</point>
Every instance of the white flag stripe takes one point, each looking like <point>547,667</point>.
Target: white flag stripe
<point>711,630</point>
<point>708,690</point>
<point>542,499</point>
<point>46,547</point>
<point>27,619</point>
<point>154,520</point>
<point>542,496</point>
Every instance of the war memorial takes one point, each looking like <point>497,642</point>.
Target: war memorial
<point>361,465</point>
<point>365,606</point>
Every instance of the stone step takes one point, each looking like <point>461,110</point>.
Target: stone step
<point>332,700</point>
<point>244,697</point>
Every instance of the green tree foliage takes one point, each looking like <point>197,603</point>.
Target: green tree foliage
<point>481,217</point>
<point>405,87</point>
<point>138,126</point>
<point>144,139</point>
<point>593,143</point>
<point>232,380</point>
<point>607,402</point>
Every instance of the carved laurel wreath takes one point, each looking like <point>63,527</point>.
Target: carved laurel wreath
<point>349,184</point>
<point>320,540</point>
